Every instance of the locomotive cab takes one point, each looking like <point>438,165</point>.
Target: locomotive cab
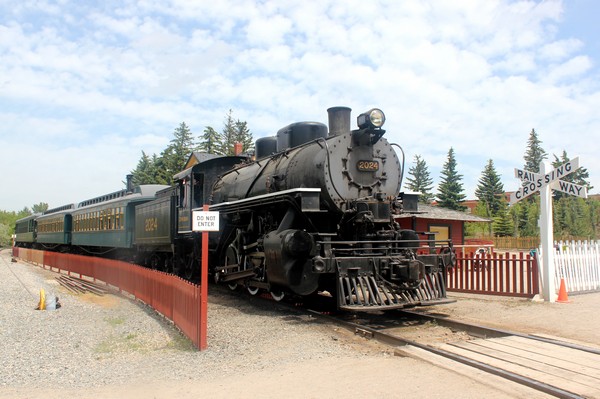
<point>194,185</point>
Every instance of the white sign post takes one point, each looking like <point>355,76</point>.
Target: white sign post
<point>547,240</point>
<point>545,182</point>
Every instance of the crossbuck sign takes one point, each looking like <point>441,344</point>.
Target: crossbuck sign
<point>545,182</point>
<point>534,182</point>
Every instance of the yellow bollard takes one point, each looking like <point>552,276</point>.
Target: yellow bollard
<point>42,303</point>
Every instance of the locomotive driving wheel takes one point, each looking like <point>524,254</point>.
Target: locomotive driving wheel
<point>232,257</point>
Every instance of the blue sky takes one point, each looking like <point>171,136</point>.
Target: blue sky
<point>86,86</point>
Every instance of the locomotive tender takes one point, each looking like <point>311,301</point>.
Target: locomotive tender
<point>313,213</point>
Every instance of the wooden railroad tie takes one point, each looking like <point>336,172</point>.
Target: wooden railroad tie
<point>80,286</point>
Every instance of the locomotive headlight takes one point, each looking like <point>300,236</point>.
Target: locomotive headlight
<point>374,118</point>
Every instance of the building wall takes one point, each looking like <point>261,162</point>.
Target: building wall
<point>455,228</point>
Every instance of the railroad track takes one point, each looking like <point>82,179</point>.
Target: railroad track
<point>555,367</point>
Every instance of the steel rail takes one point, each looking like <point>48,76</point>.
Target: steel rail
<point>397,341</point>
<point>488,332</point>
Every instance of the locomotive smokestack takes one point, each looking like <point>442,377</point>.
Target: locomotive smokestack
<point>129,184</point>
<point>339,120</point>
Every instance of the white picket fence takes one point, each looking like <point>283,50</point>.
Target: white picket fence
<point>579,264</point>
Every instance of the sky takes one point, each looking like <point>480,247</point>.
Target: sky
<point>85,87</point>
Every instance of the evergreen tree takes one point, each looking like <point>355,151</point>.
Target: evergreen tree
<point>490,190</point>
<point>145,171</point>
<point>178,152</point>
<point>532,227</point>
<point>161,169</point>
<point>594,207</point>
<point>520,216</point>
<point>580,176</point>
<point>242,135</point>
<point>503,224</point>
<point>419,180</point>
<point>572,217</point>
<point>450,191</point>
<point>163,174</point>
<point>534,153</point>
<point>479,229</point>
<point>227,136</point>
<point>209,141</point>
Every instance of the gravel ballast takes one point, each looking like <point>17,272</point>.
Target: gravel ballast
<point>73,345</point>
<point>113,346</point>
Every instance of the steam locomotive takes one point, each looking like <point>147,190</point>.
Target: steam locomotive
<point>312,213</point>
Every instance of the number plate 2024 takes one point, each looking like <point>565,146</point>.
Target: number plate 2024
<point>367,166</point>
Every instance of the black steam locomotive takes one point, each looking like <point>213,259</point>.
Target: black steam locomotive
<point>312,213</point>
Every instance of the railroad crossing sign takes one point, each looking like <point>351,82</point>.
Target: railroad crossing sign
<point>545,182</point>
<point>534,182</point>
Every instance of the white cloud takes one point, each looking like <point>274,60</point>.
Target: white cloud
<point>117,78</point>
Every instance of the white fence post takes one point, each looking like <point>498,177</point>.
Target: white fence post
<point>579,264</point>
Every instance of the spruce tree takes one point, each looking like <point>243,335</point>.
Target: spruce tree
<point>580,176</point>
<point>178,152</point>
<point>450,192</point>
<point>490,189</point>
<point>145,171</point>
<point>174,157</point>
<point>534,153</point>
<point>243,136</point>
<point>503,224</point>
<point>419,180</point>
<point>227,136</point>
<point>209,141</point>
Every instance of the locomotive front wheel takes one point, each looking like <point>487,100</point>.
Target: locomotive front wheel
<point>277,295</point>
<point>232,286</point>
<point>253,290</point>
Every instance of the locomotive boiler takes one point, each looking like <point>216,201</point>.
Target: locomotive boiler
<point>314,213</point>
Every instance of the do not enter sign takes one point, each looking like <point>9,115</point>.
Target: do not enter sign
<point>205,221</point>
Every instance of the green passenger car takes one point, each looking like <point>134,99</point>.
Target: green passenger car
<point>55,226</point>
<point>109,221</point>
<point>26,231</point>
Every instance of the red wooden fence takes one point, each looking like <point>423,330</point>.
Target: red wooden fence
<point>180,300</point>
<point>175,298</point>
<point>495,274</point>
